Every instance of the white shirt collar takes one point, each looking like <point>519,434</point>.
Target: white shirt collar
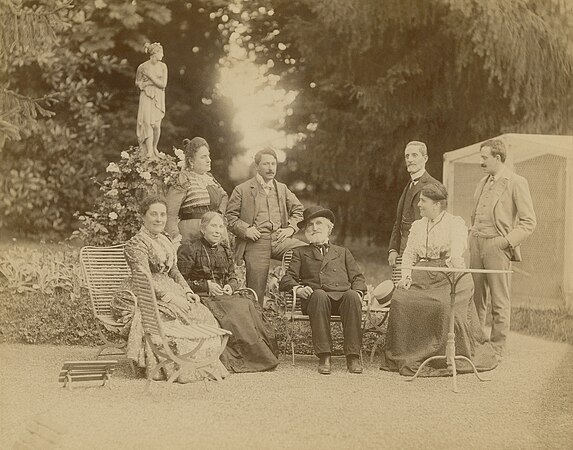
<point>417,174</point>
<point>500,174</point>
<point>263,183</point>
<point>438,218</point>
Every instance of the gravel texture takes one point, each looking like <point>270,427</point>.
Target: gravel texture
<point>528,404</point>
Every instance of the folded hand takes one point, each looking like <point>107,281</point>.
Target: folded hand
<point>193,298</point>
<point>404,283</point>
<point>227,289</point>
<point>284,233</point>
<point>392,259</point>
<point>253,234</point>
<point>214,288</point>
<point>304,292</point>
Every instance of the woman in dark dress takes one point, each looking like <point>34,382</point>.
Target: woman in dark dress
<point>208,267</point>
<point>419,312</point>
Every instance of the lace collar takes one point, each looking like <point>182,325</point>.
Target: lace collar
<point>148,233</point>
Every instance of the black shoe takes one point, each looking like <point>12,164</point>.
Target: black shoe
<point>324,364</point>
<point>353,363</point>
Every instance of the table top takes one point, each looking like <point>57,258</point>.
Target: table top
<point>454,269</point>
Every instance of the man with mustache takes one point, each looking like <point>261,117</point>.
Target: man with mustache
<point>503,217</point>
<point>416,156</point>
<point>263,214</point>
<point>329,282</point>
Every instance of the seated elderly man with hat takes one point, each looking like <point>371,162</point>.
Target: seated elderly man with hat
<point>329,282</point>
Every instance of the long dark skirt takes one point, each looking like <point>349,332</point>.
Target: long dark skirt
<point>419,322</point>
<point>253,346</point>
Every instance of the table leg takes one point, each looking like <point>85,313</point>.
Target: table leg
<point>476,373</point>
<point>451,344</point>
<point>450,356</point>
<point>455,374</point>
<point>431,358</point>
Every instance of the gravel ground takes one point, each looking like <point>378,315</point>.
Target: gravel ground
<point>528,404</point>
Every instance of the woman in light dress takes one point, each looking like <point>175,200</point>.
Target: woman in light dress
<point>419,313</point>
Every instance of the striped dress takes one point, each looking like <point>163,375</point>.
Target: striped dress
<point>188,200</point>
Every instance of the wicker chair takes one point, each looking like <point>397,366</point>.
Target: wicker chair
<point>157,331</point>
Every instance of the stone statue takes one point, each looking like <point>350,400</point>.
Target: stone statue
<point>151,79</point>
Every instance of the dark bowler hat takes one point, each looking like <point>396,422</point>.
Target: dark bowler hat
<point>315,211</point>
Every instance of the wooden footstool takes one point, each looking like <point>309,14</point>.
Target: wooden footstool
<point>76,371</point>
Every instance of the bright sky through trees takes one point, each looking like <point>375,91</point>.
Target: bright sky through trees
<point>260,107</point>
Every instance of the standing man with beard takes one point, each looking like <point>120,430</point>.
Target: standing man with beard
<point>503,217</point>
<point>416,156</point>
<point>330,282</point>
<point>263,214</point>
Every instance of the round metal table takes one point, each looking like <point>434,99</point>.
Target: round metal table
<point>453,275</point>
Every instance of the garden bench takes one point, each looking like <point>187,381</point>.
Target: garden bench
<point>293,313</point>
<point>79,371</point>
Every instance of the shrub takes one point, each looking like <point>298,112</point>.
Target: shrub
<point>43,301</point>
<point>45,181</point>
<point>115,218</point>
<point>38,318</point>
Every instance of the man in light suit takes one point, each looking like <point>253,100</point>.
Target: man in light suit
<point>416,156</point>
<point>263,214</point>
<point>503,217</point>
<point>329,281</point>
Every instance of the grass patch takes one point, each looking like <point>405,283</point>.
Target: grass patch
<point>553,324</point>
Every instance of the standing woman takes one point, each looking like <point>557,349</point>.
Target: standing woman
<point>208,267</point>
<point>196,193</point>
<point>151,79</point>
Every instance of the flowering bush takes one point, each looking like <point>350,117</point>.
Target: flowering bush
<point>116,218</point>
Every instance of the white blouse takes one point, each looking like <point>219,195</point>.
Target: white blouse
<point>444,237</point>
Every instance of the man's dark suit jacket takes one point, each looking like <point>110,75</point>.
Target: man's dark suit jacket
<point>402,225</point>
<point>335,273</point>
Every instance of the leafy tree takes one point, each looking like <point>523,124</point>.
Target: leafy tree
<point>373,75</point>
<point>47,172</point>
<point>31,32</point>
<point>87,73</point>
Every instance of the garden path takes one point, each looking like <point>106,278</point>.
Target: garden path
<point>527,405</point>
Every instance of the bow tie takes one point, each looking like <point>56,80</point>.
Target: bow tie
<point>322,248</point>
<point>414,181</point>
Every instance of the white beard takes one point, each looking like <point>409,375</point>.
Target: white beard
<point>318,238</point>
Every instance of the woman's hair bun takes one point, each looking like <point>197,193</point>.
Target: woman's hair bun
<point>186,141</point>
<point>146,47</point>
